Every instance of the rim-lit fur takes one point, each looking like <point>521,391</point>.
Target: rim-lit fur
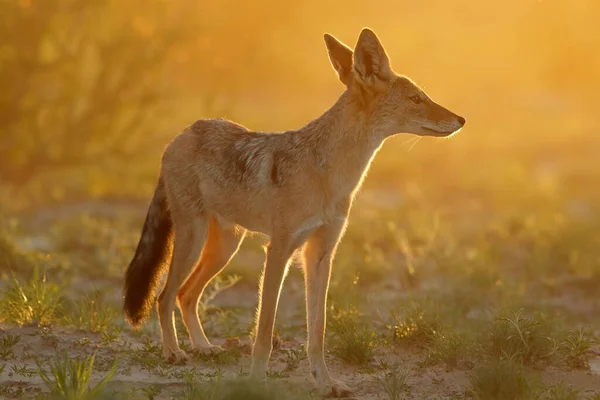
<point>220,179</point>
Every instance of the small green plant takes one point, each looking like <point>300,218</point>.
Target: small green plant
<point>194,391</point>
<point>395,382</point>
<point>111,335</point>
<point>228,357</point>
<point>577,345</point>
<point>146,362</point>
<point>293,357</point>
<point>92,314</point>
<point>449,348</point>
<point>152,391</point>
<point>7,344</point>
<point>348,339</point>
<point>501,380</point>
<point>524,338</point>
<point>34,301</point>
<point>561,392</point>
<point>247,390</point>
<point>217,389</point>
<point>22,370</point>
<point>276,374</point>
<point>150,347</point>
<point>419,324</point>
<point>11,392</point>
<point>70,379</point>
<point>186,374</point>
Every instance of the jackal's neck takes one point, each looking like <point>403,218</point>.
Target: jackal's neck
<point>343,145</point>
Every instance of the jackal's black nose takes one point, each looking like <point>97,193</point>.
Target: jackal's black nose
<point>461,120</point>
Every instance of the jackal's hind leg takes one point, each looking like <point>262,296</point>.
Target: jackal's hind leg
<point>189,239</point>
<point>221,245</point>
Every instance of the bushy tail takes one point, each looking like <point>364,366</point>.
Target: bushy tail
<point>150,259</point>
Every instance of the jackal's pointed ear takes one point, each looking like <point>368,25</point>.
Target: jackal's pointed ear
<point>371,63</point>
<point>341,58</point>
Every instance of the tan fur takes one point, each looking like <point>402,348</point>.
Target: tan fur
<point>296,187</point>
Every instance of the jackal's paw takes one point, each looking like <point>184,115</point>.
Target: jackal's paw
<point>208,350</point>
<point>178,356</point>
<point>335,389</point>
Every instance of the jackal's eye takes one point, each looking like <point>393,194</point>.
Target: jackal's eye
<point>415,99</point>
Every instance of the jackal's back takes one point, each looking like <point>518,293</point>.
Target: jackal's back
<point>240,175</point>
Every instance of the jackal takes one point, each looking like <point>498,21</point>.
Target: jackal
<point>219,180</point>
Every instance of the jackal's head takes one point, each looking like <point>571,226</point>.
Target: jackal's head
<point>393,102</point>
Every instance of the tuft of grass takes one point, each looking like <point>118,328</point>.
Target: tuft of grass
<point>111,334</point>
<point>577,345</point>
<point>217,389</point>
<point>395,382</point>
<point>293,357</point>
<point>228,357</point>
<point>247,390</point>
<point>34,301</point>
<point>501,380</point>
<point>450,348</point>
<point>7,344</point>
<point>348,339</point>
<point>561,392</point>
<point>152,391</point>
<point>22,370</point>
<point>515,336</point>
<point>92,314</point>
<point>70,379</point>
<point>418,324</point>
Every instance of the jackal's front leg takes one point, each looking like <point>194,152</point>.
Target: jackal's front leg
<point>278,255</point>
<point>318,255</point>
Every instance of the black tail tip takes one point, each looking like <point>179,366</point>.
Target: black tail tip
<point>135,320</point>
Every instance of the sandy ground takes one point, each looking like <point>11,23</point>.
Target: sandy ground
<point>425,382</point>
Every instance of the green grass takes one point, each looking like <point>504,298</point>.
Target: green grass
<point>33,301</point>
<point>501,380</point>
<point>69,379</point>
<point>349,338</point>
<point>92,313</point>
<point>292,357</point>
<point>219,388</point>
<point>7,344</point>
<point>561,392</point>
<point>394,383</point>
<point>450,348</point>
<point>526,339</point>
<point>576,346</point>
<point>419,324</point>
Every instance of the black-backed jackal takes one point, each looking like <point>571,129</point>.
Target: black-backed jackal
<point>218,179</point>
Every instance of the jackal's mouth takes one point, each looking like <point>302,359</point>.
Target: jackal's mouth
<point>433,132</point>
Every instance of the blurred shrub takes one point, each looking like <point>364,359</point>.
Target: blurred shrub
<point>80,79</point>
